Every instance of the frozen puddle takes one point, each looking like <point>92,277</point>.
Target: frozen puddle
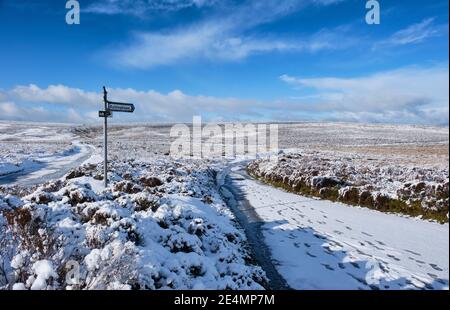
<point>318,244</point>
<point>48,168</point>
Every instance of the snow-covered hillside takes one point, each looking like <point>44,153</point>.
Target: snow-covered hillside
<point>160,225</point>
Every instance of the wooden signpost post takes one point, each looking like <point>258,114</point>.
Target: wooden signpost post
<point>110,107</point>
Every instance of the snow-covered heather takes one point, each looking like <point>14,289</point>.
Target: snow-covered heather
<point>358,179</point>
<point>160,225</point>
<point>318,244</point>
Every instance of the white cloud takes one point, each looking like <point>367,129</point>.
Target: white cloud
<point>141,8</point>
<point>216,42</point>
<point>17,112</point>
<point>407,95</point>
<point>414,95</point>
<point>60,103</point>
<point>415,33</point>
<point>53,94</point>
<point>224,35</point>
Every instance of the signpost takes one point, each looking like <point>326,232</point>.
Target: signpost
<point>109,107</point>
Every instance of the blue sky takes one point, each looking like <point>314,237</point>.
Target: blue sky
<point>282,60</point>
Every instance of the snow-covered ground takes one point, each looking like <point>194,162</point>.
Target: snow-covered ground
<point>160,225</point>
<point>371,181</point>
<point>182,234</point>
<point>33,154</point>
<point>317,244</point>
<point>39,168</point>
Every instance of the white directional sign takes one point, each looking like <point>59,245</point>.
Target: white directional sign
<point>120,107</point>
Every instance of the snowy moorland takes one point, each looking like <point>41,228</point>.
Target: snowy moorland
<point>160,225</point>
<point>356,179</point>
<point>208,224</point>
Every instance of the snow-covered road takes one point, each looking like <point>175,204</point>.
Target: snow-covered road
<point>50,167</point>
<point>316,244</point>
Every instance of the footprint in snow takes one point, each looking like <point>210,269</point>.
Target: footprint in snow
<point>436,267</point>
<point>393,257</point>
<point>311,255</point>
<point>412,252</point>
<point>340,221</point>
<point>378,248</point>
<point>328,267</point>
<point>341,265</point>
<point>432,275</point>
<point>442,281</point>
<point>425,285</point>
<point>348,228</point>
<point>384,268</point>
<point>328,251</point>
<point>319,236</point>
<point>374,246</point>
<point>338,232</point>
<point>363,253</point>
<point>367,234</point>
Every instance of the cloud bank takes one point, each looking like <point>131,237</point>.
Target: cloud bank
<point>408,95</point>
